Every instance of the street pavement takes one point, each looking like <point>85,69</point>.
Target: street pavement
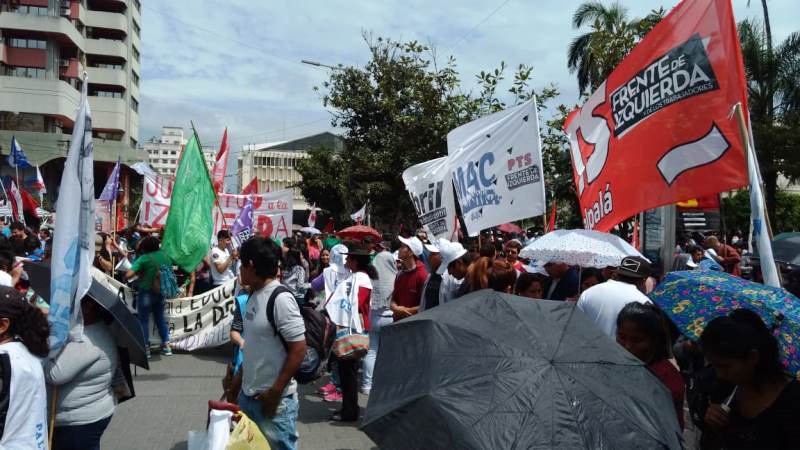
<point>172,398</point>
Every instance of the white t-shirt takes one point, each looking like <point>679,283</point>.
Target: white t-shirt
<point>603,302</point>
<point>220,256</point>
<point>5,279</point>
<point>342,308</point>
<point>26,416</point>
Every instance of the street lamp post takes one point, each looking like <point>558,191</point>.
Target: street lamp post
<point>319,64</point>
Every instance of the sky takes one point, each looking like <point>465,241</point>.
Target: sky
<point>236,63</point>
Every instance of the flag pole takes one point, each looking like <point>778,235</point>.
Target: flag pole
<point>216,197</point>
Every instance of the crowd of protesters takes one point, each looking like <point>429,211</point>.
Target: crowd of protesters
<point>730,381</point>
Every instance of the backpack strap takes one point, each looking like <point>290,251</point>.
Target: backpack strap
<point>280,289</point>
<point>5,390</point>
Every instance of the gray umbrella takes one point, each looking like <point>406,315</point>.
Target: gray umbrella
<point>496,371</point>
<point>126,328</point>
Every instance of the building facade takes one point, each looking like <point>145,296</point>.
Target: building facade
<point>45,48</point>
<point>274,164</point>
<point>164,152</point>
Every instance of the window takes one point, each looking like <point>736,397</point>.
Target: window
<point>135,54</point>
<point>35,10</point>
<point>135,78</point>
<point>173,152</point>
<point>108,94</point>
<point>28,43</point>
<point>134,104</point>
<point>107,135</point>
<point>109,66</point>
<point>136,28</point>
<point>28,72</point>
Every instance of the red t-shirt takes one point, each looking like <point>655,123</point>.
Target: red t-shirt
<point>672,379</point>
<point>408,286</point>
<point>363,305</point>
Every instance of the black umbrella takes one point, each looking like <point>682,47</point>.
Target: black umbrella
<point>787,250</point>
<point>496,371</point>
<point>126,328</point>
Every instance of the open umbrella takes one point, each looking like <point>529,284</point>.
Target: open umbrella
<point>310,230</point>
<point>693,298</point>
<point>584,248</point>
<point>126,329</point>
<point>359,233</point>
<point>495,371</point>
<point>786,248</point>
<point>510,228</point>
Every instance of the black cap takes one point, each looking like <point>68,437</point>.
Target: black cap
<point>634,267</point>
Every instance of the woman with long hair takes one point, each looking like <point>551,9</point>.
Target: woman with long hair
<point>84,372</point>
<point>23,399</point>
<point>642,330</point>
<point>762,410</point>
<point>350,307</point>
<point>149,259</point>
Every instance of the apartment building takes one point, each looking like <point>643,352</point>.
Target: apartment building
<point>164,152</point>
<point>274,164</point>
<point>45,47</point>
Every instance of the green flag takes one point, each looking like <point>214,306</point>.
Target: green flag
<point>187,235</point>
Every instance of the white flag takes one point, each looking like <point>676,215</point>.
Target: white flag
<point>16,199</point>
<point>431,188</point>
<point>312,216</point>
<point>74,234</point>
<point>359,215</point>
<point>758,224</point>
<point>496,162</point>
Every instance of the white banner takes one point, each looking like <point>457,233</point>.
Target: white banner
<point>496,163</point>
<point>431,188</point>
<point>272,211</point>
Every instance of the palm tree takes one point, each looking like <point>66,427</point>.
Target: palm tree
<point>595,54</point>
<point>773,87</point>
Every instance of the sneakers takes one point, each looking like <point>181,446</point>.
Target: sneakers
<point>166,350</point>
<point>327,389</point>
<point>335,396</point>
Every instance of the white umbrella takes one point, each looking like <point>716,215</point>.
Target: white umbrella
<point>584,248</point>
<point>310,230</point>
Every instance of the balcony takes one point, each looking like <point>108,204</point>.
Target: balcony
<point>39,96</point>
<point>110,20</point>
<point>70,68</point>
<point>44,24</point>
<point>109,113</point>
<point>76,11</point>
<point>112,77</point>
<point>107,47</point>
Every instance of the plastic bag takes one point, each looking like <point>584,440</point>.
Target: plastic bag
<point>247,436</point>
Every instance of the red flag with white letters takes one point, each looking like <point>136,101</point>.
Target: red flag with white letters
<point>659,130</point>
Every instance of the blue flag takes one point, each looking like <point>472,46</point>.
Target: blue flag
<point>111,188</point>
<point>17,157</point>
<point>73,237</point>
<point>243,227</point>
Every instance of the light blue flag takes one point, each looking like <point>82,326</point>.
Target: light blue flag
<point>17,157</point>
<point>74,234</point>
<point>111,189</point>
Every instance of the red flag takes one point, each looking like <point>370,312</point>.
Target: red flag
<point>552,223</point>
<point>635,237</point>
<point>252,188</point>
<point>329,226</point>
<point>29,204</point>
<point>220,163</point>
<point>16,202</point>
<point>658,131</point>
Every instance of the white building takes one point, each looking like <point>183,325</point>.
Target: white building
<point>165,151</point>
<point>274,164</point>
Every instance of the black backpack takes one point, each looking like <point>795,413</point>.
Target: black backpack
<point>320,334</point>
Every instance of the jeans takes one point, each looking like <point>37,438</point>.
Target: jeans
<point>80,437</point>
<point>281,430</point>
<point>150,302</point>
<point>377,318</point>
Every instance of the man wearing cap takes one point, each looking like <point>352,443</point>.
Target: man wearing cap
<point>408,286</point>
<point>453,269</point>
<point>432,288</point>
<point>603,302</point>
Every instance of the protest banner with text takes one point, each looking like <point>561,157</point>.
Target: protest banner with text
<point>659,129</point>
<point>431,188</point>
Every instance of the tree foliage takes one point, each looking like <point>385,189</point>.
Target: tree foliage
<point>396,111</point>
<point>736,212</point>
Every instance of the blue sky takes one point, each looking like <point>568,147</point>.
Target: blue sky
<point>236,63</point>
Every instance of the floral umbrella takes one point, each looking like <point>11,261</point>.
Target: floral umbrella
<point>359,233</point>
<point>694,298</point>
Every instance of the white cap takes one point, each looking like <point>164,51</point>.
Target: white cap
<point>414,244</point>
<point>432,248</point>
<point>450,251</point>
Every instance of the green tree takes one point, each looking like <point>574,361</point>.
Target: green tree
<point>736,211</point>
<point>773,87</point>
<point>396,111</point>
<point>611,36</point>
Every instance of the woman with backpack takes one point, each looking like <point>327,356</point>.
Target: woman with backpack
<point>150,262</point>
<point>349,307</point>
<point>23,399</point>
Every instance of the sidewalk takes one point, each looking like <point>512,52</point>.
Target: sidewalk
<point>172,399</point>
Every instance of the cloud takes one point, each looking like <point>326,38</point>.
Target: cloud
<point>237,63</point>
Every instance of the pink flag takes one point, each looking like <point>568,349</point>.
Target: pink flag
<point>220,164</point>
